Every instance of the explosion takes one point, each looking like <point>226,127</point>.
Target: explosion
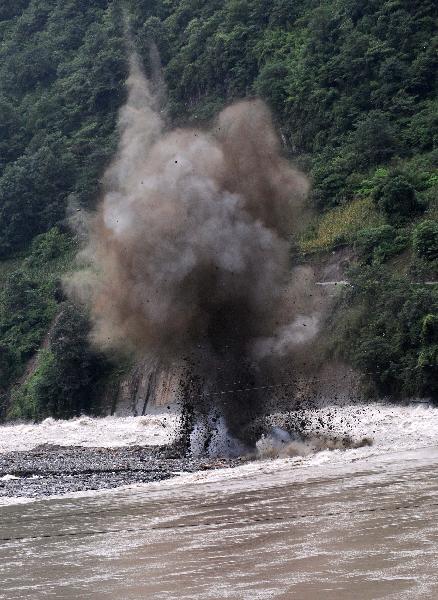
<point>189,251</point>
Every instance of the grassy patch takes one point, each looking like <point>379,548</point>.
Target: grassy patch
<point>340,225</point>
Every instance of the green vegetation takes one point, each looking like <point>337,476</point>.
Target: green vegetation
<point>62,67</point>
<point>425,240</point>
<point>59,380</point>
<point>341,226</point>
<point>44,347</point>
<point>67,375</point>
<point>389,330</point>
<point>29,301</point>
<point>352,84</point>
<point>62,71</point>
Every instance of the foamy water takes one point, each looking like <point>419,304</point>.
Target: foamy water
<point>394,431</point>
<point>388,427</point>
<point>335,524</point>
<point>108,432</point>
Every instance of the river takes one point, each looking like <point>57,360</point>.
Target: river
<point>336,524</point>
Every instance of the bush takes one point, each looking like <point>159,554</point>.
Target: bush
<point>429,329</point>
<point>25,313</point>
<point>79,367</point>
<point>29,300</point>
<point>396,198</point>
<point>373,141</point>
<point>48,246</point>
<point>6,365</point>
<point>378,244</point>
<point>33,192</point>
<point>425,240</point>
<point>270,84</point>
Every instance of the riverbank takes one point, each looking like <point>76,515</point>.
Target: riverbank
<point>87,454</point>
<point>53,470</point>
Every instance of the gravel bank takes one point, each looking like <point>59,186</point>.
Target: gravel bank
<point>49,470</point>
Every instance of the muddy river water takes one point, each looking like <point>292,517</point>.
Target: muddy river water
<point>344,524</point>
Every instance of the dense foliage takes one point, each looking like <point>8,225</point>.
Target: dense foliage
<point>352,84</point>
<point>29,301</point>
<point>389,330</point>
<point>62,67</point>
<point>62,71</point>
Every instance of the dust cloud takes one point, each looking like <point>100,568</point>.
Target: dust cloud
<point>188,251</point>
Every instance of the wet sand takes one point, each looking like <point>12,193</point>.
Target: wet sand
<point>346,526</point>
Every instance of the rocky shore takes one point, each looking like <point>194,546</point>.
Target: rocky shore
<point>48,470</point>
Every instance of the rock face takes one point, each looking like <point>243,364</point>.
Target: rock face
<point>148,384</point>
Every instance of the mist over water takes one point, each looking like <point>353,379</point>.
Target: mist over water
<point>189,252</point>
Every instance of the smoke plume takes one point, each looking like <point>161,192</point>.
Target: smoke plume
<point>189,249</point>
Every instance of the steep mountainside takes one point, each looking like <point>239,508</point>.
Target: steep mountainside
<point>352,84</point>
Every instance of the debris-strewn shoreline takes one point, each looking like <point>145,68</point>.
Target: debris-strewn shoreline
<point>50,470</point>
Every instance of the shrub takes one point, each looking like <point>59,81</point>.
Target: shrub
<point>48,246</point>
<point>396,198</point>
<point>374,140</point>
<point>379,243</point>
<point>429,329</point>
<point>425,240</point>
<point>28,400</point>
<point>270,84</point>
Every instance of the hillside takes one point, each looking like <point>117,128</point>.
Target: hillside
<point>352,85</point>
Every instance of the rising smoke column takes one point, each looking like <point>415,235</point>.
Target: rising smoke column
<point>189,247</point>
